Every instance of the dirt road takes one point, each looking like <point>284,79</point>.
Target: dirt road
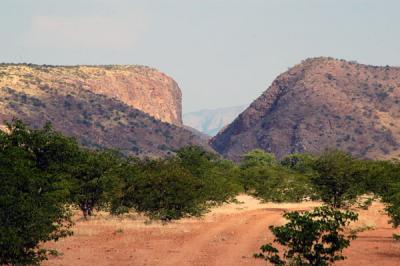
<point>229,235</point>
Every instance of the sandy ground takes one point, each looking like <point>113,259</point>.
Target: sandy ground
<point>229,235</point>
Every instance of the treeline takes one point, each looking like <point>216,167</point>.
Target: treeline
<point>43,174</point>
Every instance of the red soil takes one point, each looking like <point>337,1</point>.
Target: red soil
<point>229,235</point>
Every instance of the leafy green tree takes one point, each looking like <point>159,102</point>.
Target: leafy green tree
<point>187,184</point>
<point>95,180</point>
<point>384,180</point>
<point>161,189</point>
<point>276,184</point>
<point>218,177</point>
<point>255,168</point>
<point>196,160</point>
<point>257,157</point>
<point>339,179</point>
<point>392,201</point>
<point>222,184</point>
<point>33,195</point>
<point>311,238</point>
<point>300,162</point>
<point>264,178</point>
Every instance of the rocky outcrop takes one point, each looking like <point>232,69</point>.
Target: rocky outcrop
<point>141,87</point>
<point>321,104</point>
<point>76,102</point>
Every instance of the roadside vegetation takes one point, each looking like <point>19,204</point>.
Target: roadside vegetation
<point>45,175</point>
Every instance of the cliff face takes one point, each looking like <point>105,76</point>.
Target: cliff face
<point>141,87</point>
<point>321,103</point>
<point>76,102</point>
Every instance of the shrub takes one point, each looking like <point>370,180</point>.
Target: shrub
<point>276,184</point>
<point>95,180</point>
<point>187,184</point>
<point>161,189</point>
<point>264,178</point>
<point>218,177</point>
<point>392,200</point>
<point>33,192</point>
<point>312,238</point>
<point>339,178</point>
<point>302,163</point>
<point>257,158</point>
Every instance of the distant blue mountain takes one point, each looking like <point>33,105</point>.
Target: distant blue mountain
<point>210,122</point>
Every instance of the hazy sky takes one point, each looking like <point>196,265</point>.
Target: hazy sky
<point>221,52</point>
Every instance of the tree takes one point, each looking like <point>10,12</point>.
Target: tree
<point>257,157</point>
<point>300,162</point>
<point>392,201</point>
<point>339,179</point>
<point>264,178</point>
<point>95,179</point>
<point>255,168</point>
<point>384,180</point>
<point>311,238</point>
<point>218,177</point>
<point>162,189</point>
<point>33,195</point>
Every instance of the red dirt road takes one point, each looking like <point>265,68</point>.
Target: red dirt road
<point>229,235</point>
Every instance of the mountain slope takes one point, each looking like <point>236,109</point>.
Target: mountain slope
<point>96,120</point>
<point>212,121</point>
<point>321,103</point>
<point>141,87</point>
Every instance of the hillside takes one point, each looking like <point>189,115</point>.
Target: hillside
<point>141,87</point>
<point>321,103</point>
<point>96,120</point>
<point>211,121</point>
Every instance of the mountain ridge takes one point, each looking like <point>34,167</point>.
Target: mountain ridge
<point>319,104</point>
<point>97,120</point>
<point>141,87</point>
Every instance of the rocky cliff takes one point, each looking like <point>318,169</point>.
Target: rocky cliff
<point>141,87</point>
<point>75,100</point>
<point>322,103</point>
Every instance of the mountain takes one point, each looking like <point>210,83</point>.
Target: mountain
<point>141,87</point>
<point>197,133</point>
<point>96,120</point>
<point>211,121</point>
<point>321,103</point>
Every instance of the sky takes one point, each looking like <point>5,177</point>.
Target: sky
<point>221,52</point>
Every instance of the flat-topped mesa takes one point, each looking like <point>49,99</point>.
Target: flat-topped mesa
<point>141,87</point>
<point>322,103</point>
<point>101,106</point>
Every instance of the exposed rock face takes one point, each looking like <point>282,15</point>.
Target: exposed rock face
<point>95,119</point>
<point>141,87</point>
<point>321,104</point>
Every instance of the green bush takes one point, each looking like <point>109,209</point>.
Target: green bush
<point>33,192</point>
<point>161,189</point>
<point>187,184</point>
<point>265,178</point>
<point>301,163</point>
<point>219,178</point>
<point>276,184</point>
<point>95,180</point>
<point>384,180</point>
<point>339,178</point>
<point>311,238</point>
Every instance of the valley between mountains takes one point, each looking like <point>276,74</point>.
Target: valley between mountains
<point>324,132</point>
<point>321,103</point>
